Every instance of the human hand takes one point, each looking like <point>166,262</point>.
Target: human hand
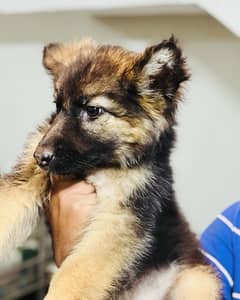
<point>71,204</point>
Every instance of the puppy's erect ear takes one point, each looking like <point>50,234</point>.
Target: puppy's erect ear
<point>57,56</point>
<point>162,69</point>
<point>53,58</point>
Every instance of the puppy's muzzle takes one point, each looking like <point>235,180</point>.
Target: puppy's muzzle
<point>43,157</point>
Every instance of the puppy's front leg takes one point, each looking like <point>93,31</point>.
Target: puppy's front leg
<point>108,247</point>
<point>20,197</point>
<point>195,282</point>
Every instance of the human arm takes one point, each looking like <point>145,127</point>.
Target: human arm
<point>69,210</point>
<point>220,243</point>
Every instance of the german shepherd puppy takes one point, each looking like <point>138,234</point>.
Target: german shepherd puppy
<point>113,127</point>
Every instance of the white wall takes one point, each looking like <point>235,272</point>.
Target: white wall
<point>206,159</point>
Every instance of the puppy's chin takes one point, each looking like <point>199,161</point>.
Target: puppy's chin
<point>66,174</point>
<point>74,169</point>
<point>58,178</point>
<point>67,171</point>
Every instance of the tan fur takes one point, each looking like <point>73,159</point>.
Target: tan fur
<point>120,63</point>
<point>59,56</point>
<point>127,130</point>
<point>155,107</point>
<point>138,131</point>
<point>196,283</point>
<point>107,103</point>
<point>151,106</point>
<point>90,270</point>
<point>153,285</point>
<point>20,198</point>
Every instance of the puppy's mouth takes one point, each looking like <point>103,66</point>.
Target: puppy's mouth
<point>56,167</point>
<point>66,167</point>
<point>48,167</point>
<point>52,163</point>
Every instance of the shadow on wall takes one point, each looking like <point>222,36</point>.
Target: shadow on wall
<point>197,31</point>
<point>42,27</point>
<point>200,31</point>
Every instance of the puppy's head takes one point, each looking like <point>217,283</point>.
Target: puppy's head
<point>112,105</point>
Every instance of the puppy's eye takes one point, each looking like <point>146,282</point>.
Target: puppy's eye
<point>94,111</point>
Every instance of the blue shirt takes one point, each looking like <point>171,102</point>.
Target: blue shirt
<point>221,245</point>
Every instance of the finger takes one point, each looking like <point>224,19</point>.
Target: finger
<point>82,202</point>
<point>69,186</point>
<point>83,187</point>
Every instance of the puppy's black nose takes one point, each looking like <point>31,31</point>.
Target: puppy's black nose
<point>43,157</point>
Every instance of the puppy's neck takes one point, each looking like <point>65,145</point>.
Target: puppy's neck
<point>121,184</point>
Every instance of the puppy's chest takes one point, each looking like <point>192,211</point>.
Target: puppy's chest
<point>119,184</point>
<point>152,286</point>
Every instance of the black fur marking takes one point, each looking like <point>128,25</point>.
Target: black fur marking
<point>169,237</point>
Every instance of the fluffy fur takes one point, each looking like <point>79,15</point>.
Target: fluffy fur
<point>114,127</point>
